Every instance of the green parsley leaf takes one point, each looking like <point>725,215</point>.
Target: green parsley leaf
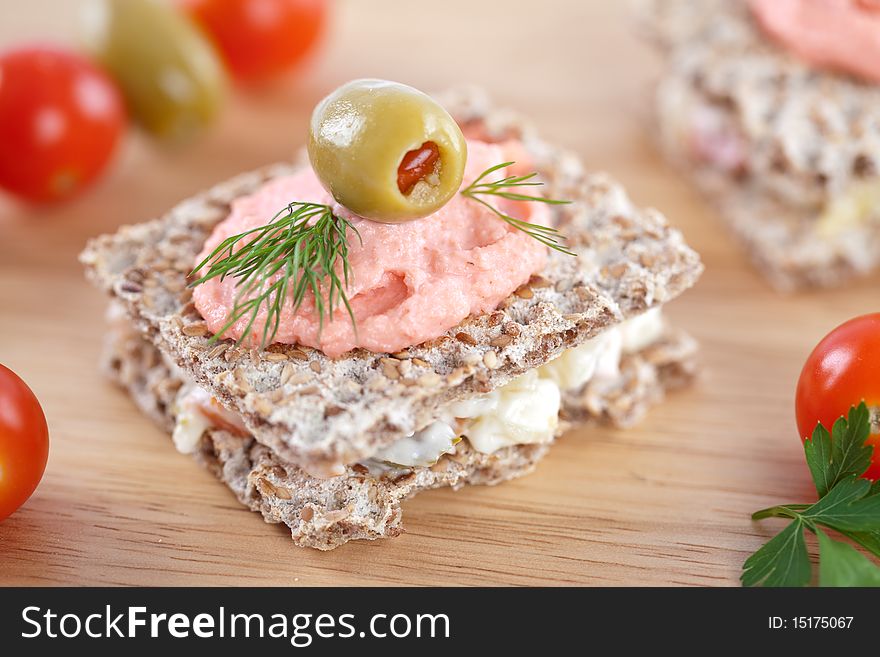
<point>833,457</point>
<point>868,540</point>
<point>844,507</point>
<point>783,561</point>
<point>842,565</point>
<point>818,452</point>
<point>847,503</point>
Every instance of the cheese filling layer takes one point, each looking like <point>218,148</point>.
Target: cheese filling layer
<point>524,411</point>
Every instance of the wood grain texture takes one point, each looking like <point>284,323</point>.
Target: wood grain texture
<point>665,503</point>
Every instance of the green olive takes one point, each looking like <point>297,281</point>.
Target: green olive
<point>386,151</point>
<point>169,73</point>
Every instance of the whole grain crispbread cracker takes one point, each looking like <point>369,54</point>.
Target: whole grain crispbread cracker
<point>315,411</point>
<point>325,513</point>
<point>810,134</point>
<point>809,137</point>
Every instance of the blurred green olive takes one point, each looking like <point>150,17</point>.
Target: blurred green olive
<point>386,151</point>
<point>169,73</point>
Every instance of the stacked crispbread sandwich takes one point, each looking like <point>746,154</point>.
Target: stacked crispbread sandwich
<point>788,153</point>
<point>331,447</point>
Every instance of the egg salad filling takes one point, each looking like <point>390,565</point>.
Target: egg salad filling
<point>524,411</point>
<point>853,209</point>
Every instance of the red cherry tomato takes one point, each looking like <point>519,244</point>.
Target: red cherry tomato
<point>842,371</point>
<point>260,38</point>
<point>24,442</point>
<point>60,120</point>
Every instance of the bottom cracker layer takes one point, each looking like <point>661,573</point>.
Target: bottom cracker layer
<point>325,513</point>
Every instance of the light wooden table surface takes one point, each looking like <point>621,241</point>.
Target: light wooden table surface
<point>665,503</point>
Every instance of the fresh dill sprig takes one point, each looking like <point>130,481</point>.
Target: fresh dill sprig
<point>546,235</point>
<point>292,254</point>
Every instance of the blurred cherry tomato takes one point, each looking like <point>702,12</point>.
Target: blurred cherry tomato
<point>24,442</point>
<point>60,121</point>
<point>170,74</point>
<point>842,371</point>
<point>260,38</point>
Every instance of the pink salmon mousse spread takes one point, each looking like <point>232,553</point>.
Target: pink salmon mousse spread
<point>411,281</point>
<point>843,35</point>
